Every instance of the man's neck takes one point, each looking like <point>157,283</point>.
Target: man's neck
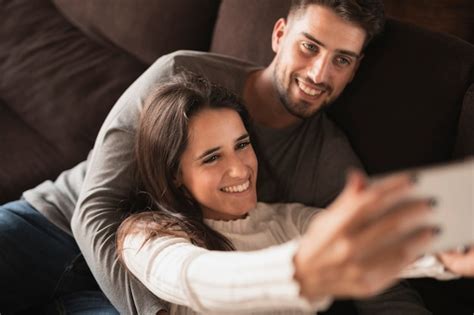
<point>263,103</point>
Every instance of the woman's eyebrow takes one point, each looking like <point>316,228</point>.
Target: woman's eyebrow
<point>207,152</point>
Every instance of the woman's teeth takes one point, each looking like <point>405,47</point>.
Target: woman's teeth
<point>237,188</point>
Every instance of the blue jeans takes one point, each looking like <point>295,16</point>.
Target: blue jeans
<point>41,267</point>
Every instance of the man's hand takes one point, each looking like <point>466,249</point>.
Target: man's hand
<point>357,247</point>
<point>461,263</point>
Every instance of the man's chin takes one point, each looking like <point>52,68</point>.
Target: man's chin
<point>305,111</point>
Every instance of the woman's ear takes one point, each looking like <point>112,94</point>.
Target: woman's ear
<point>177,181</point>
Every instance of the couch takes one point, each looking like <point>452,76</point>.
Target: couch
<point>64,63</point>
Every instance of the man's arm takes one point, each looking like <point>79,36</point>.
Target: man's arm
<point>108,182</point>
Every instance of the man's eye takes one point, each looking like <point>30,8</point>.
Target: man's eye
<point>210,159</point>
<point>342,61</point>
<point>242,145</point>
<point>310,47</point>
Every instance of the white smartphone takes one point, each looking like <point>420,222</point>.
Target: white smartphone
<point>452,188</point>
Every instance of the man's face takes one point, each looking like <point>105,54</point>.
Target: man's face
<point>317,54</point>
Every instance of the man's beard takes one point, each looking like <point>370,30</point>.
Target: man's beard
<point>301,109</point>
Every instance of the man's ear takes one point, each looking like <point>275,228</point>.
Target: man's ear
<point>279,31</point>
<point>356,67</point>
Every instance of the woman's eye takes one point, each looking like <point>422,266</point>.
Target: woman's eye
<point>210,159</point>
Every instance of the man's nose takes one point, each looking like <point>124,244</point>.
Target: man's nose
<point>320,69</point>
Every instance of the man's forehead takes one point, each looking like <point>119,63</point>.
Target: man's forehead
<point>328,28</point>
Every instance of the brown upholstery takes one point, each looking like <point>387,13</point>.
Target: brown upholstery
<point>237,33</point>
<point>403,107</point>
<point>146,29</point>
<point>25,155</point>
<point>59,83</point>
<point>63,65</point>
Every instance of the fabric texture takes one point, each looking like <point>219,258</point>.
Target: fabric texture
<point>238,20</point>
<point>26,235</point>
<point>20,143</point>
<point>397,117</point>
<point>59,83</point>
<point>258,279</point>
<point>259,276</point>
<point>145,29</point>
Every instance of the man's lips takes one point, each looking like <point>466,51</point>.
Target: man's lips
<point>311,89</point>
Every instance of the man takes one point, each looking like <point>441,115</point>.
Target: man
<point>318,50</point>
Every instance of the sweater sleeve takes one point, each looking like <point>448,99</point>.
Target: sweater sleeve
<point>299,215</point>
<point>215,281</point>
<point>109,181</point>
<point>428,266</point>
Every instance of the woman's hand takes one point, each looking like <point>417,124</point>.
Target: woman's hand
<point>366,237</point>
<point>461,263</point>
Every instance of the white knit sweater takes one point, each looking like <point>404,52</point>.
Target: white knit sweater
<point>258,279</point>
<point>199,281</point>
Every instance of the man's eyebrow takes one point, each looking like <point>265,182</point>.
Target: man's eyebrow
<point>242,137</point>
<point>341,51</point>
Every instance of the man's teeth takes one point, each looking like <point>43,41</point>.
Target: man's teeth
<point>308,90</point>
<point>237,188</point>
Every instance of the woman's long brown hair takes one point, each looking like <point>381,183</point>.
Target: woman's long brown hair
<point>161,138</point>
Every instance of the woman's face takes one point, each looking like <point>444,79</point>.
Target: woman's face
<point>219,166</point>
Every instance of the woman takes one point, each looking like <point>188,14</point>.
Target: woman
<point>199,171</point>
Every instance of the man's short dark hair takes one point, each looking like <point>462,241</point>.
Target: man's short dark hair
<point>368,14</point>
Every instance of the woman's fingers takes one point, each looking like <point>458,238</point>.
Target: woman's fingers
<point>396,223</point>
<point>459,262</point>
<point>382,267</point>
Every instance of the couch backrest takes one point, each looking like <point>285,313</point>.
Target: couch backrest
<point>63,67</point>
<point>145,29</point>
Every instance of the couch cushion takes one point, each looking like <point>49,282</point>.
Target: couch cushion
<point>146,29</point>
<point>26,157</point>
<point>237,34</point>
<point>57,81</point>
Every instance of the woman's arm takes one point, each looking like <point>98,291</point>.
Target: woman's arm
<point>214,281</point>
